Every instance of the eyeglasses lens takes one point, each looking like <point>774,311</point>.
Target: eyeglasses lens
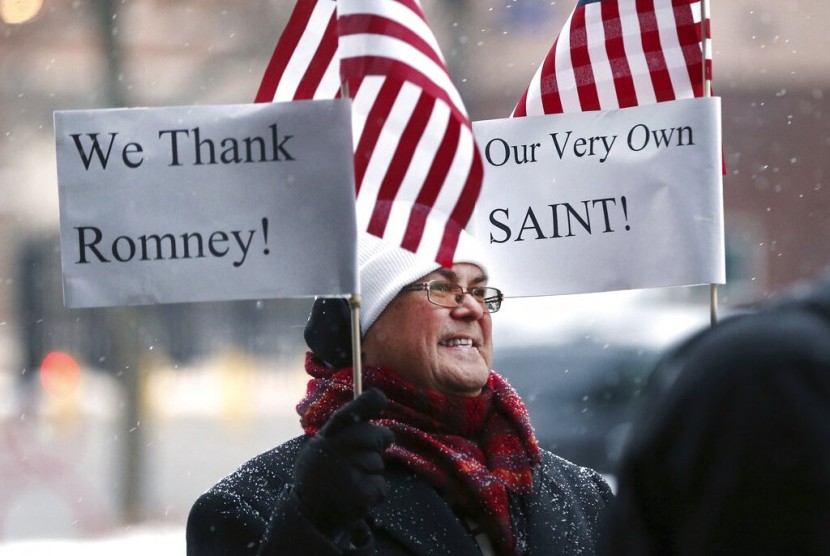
<point>450,295</point>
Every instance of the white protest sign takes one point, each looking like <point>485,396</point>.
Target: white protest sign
<point>601,201</point>
<point>205,203</point>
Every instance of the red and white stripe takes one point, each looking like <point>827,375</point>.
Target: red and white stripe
<point>619,53</point>
<point>418,171</point>
<point>305,65</point>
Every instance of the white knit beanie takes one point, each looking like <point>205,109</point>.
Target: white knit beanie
<point>386,268</point>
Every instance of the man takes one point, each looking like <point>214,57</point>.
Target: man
<point>733,454</point>
<point>438,456</point>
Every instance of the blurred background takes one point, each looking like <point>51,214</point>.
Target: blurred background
<point>113,421</point>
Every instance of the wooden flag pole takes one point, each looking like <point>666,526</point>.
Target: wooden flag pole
<point>354,310</point>
<point>707,92</point>
<point>357,379</point>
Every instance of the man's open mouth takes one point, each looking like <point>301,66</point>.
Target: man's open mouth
<point>457,342</point>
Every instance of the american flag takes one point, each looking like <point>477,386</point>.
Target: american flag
<point>305,65</point>
<point>619,53</point>
<point>418,171</point>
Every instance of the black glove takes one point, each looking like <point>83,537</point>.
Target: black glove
<point>339,472</point>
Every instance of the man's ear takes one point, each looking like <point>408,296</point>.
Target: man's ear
<point>328,332</point>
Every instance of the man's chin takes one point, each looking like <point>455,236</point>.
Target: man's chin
<point>466,382</point>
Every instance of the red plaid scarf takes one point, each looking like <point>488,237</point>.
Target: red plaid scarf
<point>478,452</point>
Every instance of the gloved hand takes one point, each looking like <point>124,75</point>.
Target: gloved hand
<point>339,472</point>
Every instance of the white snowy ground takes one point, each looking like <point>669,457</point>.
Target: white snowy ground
<point>137,541</point>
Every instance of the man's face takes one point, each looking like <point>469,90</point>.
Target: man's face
<point>445,349</point>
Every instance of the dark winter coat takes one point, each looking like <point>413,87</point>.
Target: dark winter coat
<point>253,511</point>
<point>733,454</point>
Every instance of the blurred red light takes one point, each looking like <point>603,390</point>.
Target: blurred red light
<point>60,374</point>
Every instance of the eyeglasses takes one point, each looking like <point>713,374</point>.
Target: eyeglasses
<point>448,294</point>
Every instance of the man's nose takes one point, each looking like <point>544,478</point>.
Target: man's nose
<point>469,307</point>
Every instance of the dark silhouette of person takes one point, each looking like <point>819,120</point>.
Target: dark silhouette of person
<point>732,454</point>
